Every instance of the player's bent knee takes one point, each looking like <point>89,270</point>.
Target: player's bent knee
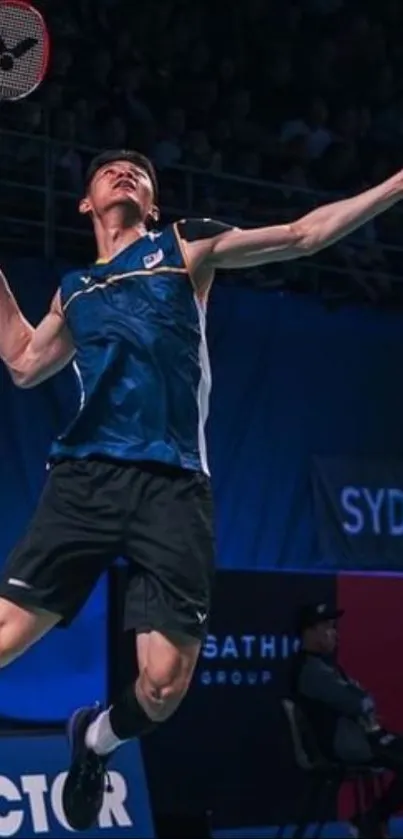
<point>162,693</point>
<point>166,669</point>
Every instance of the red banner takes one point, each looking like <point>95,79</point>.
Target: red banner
<point>371,644</point>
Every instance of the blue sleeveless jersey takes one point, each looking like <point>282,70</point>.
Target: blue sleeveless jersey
<point>141,357</point>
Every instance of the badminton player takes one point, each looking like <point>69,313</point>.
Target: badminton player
<point>129,476</point>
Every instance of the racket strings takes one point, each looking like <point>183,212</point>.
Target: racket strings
<point>22,50</point>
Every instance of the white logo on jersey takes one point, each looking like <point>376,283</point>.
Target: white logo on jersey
<point>153,259</point>
<point>86,280</point>
<point>201,616</point>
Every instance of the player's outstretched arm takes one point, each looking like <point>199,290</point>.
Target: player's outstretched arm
<point>235,248</point>
<point>32,355</point>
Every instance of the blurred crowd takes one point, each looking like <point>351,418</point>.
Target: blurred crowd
<point>305,93</point>
<point>309,90</point>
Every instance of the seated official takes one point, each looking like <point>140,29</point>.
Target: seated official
<point>342,714</point>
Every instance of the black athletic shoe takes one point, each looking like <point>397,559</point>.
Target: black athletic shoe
<point>84,786</point>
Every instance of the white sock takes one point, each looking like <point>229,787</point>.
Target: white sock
<point>99,736</point>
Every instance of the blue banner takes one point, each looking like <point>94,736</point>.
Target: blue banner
<point>290,381</point>
<point>359,512</point>
<point>34,770</point>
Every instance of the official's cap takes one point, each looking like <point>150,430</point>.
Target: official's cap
<point>315,613</point>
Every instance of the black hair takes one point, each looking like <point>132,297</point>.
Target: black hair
<point>134,157</point>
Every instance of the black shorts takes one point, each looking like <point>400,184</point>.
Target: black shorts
<point>91,512</point>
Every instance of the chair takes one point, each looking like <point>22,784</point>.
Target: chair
<point>326,777</point>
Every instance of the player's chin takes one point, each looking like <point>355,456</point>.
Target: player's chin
<point>126,201</point>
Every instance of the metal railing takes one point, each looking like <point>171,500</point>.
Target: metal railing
<point>41,183</point>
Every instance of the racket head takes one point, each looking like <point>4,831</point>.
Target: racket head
<point>22,25</point>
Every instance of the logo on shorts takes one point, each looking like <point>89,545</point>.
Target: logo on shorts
<point>18,583</point>
<point>153,259</point>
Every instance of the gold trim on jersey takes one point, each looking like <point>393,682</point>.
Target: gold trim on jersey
<point>115,278</point>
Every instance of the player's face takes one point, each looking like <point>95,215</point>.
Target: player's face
<point>120,184</point>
